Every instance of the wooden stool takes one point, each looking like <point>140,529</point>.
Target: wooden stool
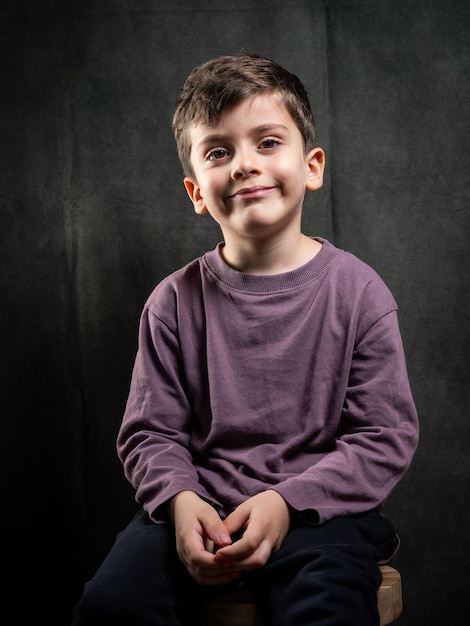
<point>238,608</point>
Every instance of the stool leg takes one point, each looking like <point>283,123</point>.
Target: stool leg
<point>389,595</point>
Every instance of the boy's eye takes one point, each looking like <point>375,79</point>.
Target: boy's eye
<point>268,144</point>
<point>217,153</point>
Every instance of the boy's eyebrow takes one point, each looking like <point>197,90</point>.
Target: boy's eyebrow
<point>220,137</point>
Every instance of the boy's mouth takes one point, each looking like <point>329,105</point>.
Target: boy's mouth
<point>251,192</point>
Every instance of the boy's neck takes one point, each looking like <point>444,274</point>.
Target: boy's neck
<point>270,257</point>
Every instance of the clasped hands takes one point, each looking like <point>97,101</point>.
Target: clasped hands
<point>265,519</point>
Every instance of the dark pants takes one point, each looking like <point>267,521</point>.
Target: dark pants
<point>323,575</point>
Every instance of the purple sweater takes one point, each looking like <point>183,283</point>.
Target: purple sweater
<point>295,382</point>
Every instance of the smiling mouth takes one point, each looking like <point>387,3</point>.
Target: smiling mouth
<point>251,192</point>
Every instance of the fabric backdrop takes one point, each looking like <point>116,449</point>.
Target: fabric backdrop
<point>94,214</point>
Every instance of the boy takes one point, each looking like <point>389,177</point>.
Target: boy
<point>270,414</point>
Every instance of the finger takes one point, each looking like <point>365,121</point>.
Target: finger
<point>237,521</point>
<point>250,559</point>
<point>216,530</point>
<point>209,545</point>
<point>241,549</point>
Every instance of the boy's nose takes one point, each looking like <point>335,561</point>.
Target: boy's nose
<point>244,164</point>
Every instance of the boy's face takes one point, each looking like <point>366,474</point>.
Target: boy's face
<point>251,171</point>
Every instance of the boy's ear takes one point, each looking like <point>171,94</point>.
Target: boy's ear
<point>194,193</point>
<point>315,161</point>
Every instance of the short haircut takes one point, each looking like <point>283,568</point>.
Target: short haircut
<point>221,83</point>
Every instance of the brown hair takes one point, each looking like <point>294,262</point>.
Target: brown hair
<point>223,82</point>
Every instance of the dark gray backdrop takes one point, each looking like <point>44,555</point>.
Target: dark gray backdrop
<point>94,214</point>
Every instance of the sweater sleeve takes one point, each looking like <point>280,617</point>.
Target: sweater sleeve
<point>377,435</point>
<point>153,440</point>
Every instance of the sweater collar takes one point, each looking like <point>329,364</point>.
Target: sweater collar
<point>256,283</point>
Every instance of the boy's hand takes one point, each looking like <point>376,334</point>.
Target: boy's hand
<point>266,520</point>
<point>197,528</point>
